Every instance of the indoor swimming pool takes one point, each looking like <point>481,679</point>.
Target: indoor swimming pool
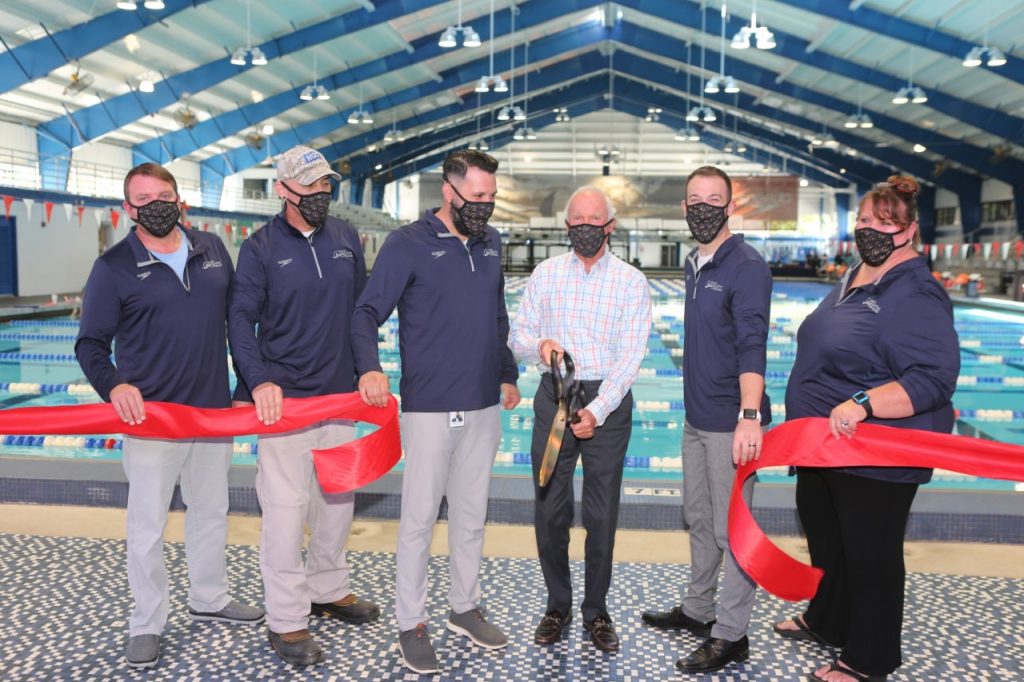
<point>37,368</point>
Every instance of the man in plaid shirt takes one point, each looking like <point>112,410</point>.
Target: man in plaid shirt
<point>597,308</point>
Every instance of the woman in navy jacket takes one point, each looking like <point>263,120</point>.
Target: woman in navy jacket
<point>881,348</point>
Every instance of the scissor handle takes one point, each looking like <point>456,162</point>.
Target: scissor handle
<point>556,374</point>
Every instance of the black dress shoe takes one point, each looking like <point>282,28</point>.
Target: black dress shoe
<point>296,648</point>
<point>715,654</point>
<point>602,634</point>
<point>550,628</point>
<point>676,620</point>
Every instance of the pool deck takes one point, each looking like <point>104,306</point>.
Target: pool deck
<point>937,514</point>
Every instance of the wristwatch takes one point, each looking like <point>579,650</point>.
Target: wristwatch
<point>749,414</point>
<point>864,400</point>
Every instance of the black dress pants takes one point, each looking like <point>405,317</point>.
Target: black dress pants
<point>855,527</point>
<point>603,458</point>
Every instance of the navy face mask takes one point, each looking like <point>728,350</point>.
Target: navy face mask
<point>471,218</point>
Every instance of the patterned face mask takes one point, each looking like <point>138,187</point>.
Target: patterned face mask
<point>587,239</point>
<point>705,221</point>
<point>875,246</point>
<point>312,207</point>
<point>158,217</point>
<point>471,218</point>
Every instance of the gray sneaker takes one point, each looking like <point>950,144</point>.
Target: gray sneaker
<point>417,651</point>
<point>234,612</point>
<point>473,625</point>
<point>143,651</point>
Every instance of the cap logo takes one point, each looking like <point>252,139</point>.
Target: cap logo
<point>310,157</point>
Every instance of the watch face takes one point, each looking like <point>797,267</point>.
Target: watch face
<point>860,397</point>
<point>750,414</point>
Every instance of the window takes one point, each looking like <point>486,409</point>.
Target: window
<point>946,216</point>
<point>997,211</point>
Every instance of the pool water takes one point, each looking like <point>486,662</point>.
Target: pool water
<point>37,367</point>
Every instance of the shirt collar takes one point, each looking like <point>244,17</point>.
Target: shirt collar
<point>600,265</point>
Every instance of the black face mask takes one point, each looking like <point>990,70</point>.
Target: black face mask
<point>875,246</point>
<point>587,239</point>
<point>312,207</point>
<point>705,221</point>
<point>158,217</point>
<point>471,218</point>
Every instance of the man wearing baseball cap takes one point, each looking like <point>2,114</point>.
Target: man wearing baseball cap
<point>297,281</point>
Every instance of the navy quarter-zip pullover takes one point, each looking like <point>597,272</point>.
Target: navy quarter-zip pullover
<point>169,333</point>
<point>291,307</point>
<point>899,328</point>
<point>452,321</point>
<point>725,327</point>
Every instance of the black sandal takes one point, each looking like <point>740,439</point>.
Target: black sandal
<point>836,668</point>
<point>804,634</point>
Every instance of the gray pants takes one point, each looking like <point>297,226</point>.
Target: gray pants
<point>152,467</point>
<point>291,497</point>
<point>708,474</point>
<point>444,461</point>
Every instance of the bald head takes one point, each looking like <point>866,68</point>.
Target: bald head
<point>589,205</point>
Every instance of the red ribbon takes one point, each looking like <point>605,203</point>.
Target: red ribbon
<point>340,469</point>
<point>808,442</point>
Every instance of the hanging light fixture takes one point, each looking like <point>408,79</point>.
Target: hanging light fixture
<point>721,81</point>
<point>360,116</point>
<point>449,37</point>
<point>764,39</point>
<point>314,91</point>
<point>128,5</point>
<point>977,53</point>
<point>910,92</point>
<point>153,4</point>
<point>394,134</point>
<point>860,119</point>
<point>702,112</point>
<point>562,115</point>
<point>492,81</point>
<point>653,114</point>
<point>238,57</point>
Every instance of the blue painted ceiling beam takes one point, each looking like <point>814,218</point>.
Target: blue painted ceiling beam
<point>398,154</point>
<point>121,110</point>
<point>929,37</point>
<point>989,120</point>
<point>500,140</point>
<point>1009,170</point>
<point>674,110</point>
<point>178,143</point>
<point>35,59</point>
<point>461,76</point>
<point>641,67</point>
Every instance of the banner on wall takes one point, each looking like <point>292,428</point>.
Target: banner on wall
<point>29,203</point>
<point>48,210</point>
<point>8,200</point>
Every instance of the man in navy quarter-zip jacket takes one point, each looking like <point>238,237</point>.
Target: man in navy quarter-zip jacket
<point>728,296</point>
<point>443,272</point>
<point>295,288</point>
<point>161,293</point>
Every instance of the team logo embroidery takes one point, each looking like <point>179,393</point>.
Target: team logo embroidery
<point>284,262</point>
<point>712,284</point>
<point>207,264</point>
<point>343,253</point>
<point>491,252</point>
<point>437,254</point>
<point>873,305</point>
<point>143,275</point>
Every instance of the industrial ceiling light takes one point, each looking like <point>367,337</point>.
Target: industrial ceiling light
<point>919,148</point>
<point>519,135</point>
<point>314,91</point>
<point>977,53</point>
<point>491,81</point>
<point>653,114</point>
<point>239,55</point>
<point>449,37</point>
<point>483,85</point>
<point>910,92</point>
<point>505,113</point>
<point>153,4</point>
<point>740,148</point>
<point>763,37</point>
<point>268,129</point>
<point>394,134</point>
<point>360,116</point>
<point>803,182</point>
<point>128,5</point>
<point>721,81</point>
<point>562,115</point>
<point>518,114</point>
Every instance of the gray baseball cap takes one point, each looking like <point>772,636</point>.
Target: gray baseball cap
<point>304,165</point>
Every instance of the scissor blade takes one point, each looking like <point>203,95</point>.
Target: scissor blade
<point>554,444</point>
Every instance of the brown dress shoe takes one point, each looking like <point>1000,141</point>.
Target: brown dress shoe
<point>296,648</point>
<point>602,634</point>
<point>550,628</point>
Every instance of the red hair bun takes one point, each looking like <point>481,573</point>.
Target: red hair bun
<point>904,184</point>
